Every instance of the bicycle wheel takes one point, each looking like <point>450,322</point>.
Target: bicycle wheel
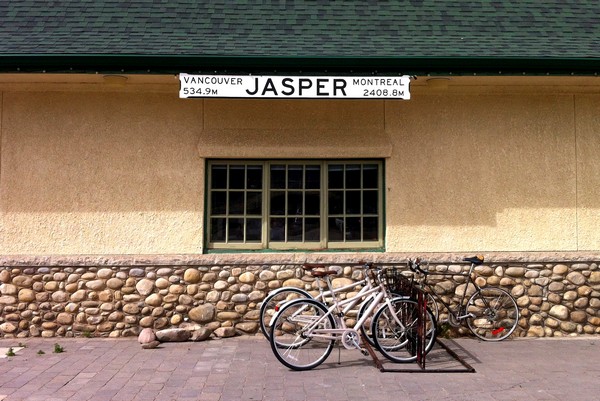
<point>292,341</point>
<point>365,329</point>
<point>273,303</point>
<point>494,314</point>
<point>433,307</point>
<point>395,330</point>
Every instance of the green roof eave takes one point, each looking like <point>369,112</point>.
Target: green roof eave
<point>173,64</point>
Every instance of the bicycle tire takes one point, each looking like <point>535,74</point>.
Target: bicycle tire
<point>432,304</point>
<point>396,330</point>
<point>289,340</point>
<point>273,302</point>
<point>433,307</point>
<point>365,329</point>
<point>495,314</point>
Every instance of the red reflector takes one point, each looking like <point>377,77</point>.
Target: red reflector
<point>498,331</point>
<point>276,308</point>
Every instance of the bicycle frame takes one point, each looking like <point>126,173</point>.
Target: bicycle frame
<point>376,293</point>
<point>460,313</point>
<point>330,292</point>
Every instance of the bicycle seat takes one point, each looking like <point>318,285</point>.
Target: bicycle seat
<point>476,260</point>
<point>323,273</point>
<point>311,266</point>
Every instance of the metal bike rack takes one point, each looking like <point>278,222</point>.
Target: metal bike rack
<point>418,343</point>
<point>466,368</point>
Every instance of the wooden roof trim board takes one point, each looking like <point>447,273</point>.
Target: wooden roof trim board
<point>143,64</point>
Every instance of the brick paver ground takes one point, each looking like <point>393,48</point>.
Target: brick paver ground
<point>243,368</point>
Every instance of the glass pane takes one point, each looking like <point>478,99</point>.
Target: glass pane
<point>294,229</point>
<point>236,203</point>
<point>277,176</point>
<point>254,203</point>
<point>295,199</point>
<point>353,176</point>
<point>235,230</point>
<point>370,205</point>
<point>218,177</point>
<point>312,202</point>
<point>218,202</point>
<point>313,177</point>
<point>217,230</point>
<point>253,230</point>
<point>237,177</point>
<point>295,203</point>
<point>336,202</point>
<point>336,176</point>
<point>312,230</point>
<point>335,230</point>
<point>370,229</point>
<point>254,178</point>
<point>353,229</point>
<point>277,231</point>
<point>370,176</point>
<point>353,202</point>
<point>277,203</point>
<point>295,177</point>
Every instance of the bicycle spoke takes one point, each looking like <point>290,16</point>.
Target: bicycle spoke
<point>396,330</point>
<point>273,302</point>
<point>292,338</point>
<point>494,314</point>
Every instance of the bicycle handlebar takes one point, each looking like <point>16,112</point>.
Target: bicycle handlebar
<point>312,267</point>
<point>415,266</point>
<point>366,265</point>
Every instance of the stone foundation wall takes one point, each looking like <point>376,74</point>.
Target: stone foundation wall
<point>119,297</point>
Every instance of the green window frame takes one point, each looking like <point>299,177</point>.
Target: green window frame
<point>294,204</point>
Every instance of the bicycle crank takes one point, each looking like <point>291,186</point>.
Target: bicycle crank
<point>491,315</point>
<point>350,339</point>
<point>453,321</point>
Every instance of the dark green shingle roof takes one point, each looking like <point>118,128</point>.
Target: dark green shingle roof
<point>415,34</point>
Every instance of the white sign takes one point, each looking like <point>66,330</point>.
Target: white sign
<point>293,87</point>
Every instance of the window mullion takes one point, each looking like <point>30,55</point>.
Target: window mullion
<point>324,218</point>
<point>266,196</point>
<point>227,193</point>
<point>360,203</point>
<point>380,204</point>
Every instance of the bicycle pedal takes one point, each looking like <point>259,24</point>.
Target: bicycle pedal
<point>364,351</point>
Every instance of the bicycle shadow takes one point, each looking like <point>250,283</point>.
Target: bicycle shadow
<point>447,356</point>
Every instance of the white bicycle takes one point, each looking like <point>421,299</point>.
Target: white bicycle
<point>304,331</point>
<point>275,299</point>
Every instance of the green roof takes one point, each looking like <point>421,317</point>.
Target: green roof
<point>415,36</point>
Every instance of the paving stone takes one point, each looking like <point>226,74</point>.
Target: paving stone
<point>244,368</point>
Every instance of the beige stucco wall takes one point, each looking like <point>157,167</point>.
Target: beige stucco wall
<point>294,129</point>
<point>482,172</point>
<point>486,164</point>
<point>100,173</point>
<point>588,170</point>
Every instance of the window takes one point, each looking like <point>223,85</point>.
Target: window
<point>294,205</point>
